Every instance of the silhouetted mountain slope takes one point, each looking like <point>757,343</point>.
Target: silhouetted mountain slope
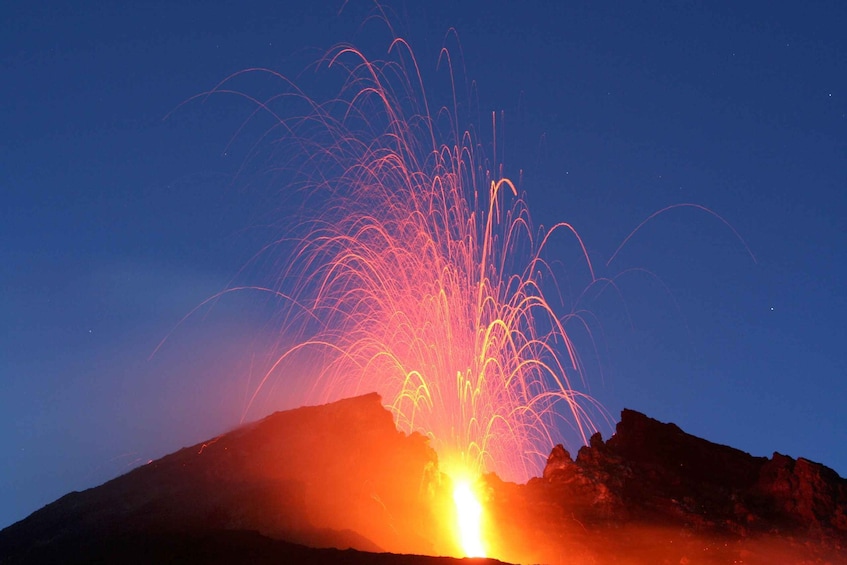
<point>342,476</point>
<point>338,475</point>
<point>215,547</point>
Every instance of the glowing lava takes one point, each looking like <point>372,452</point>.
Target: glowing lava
<point>414,271</point>
<point>469,519</point>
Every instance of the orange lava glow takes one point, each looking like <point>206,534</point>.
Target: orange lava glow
<point>468,519</point>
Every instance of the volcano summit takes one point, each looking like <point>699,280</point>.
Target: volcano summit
<point>296,484</point>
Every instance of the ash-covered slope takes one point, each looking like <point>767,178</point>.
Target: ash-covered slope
<point>655,494</point>
<point>338,475</point>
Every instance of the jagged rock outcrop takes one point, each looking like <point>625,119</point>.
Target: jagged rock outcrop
<point>651,470</point>
<point>801,495</point>
<point>656,494</point>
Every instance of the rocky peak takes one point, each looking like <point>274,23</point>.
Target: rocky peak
<point>655,470</point>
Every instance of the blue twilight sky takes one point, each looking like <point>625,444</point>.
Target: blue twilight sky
<point>116,222</point>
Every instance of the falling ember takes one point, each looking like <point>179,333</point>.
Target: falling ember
<point>413,270</point>
<point>417,274</point>
<point>469,519</point>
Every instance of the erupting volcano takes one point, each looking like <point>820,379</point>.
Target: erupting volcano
<point>419,275</point>
<point>342,476</point>
<point>413,275</point>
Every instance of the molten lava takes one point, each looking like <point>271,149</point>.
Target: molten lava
<point>468,519</point>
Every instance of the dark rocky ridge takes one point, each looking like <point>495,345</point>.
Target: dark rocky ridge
<point>342,476</point>
<point>655,494</point>
<point>651,469</point>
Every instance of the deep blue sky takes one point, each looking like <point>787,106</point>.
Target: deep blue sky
<point>115,223</point>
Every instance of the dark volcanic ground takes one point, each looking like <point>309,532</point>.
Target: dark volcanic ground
<point>654,494</point>
<point>342,476</point>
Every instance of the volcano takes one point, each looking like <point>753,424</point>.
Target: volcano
<point>340,484</point>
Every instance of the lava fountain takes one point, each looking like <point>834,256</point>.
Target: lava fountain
<point>469,514</point>
<point>417,273</point>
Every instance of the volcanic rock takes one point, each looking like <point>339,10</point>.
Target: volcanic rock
<point>341,476</point>
<point>338,475</point>
<point>655,494</point>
